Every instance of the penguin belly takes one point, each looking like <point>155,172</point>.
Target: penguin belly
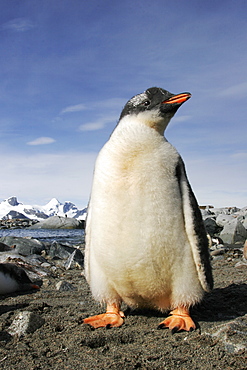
<point>7,284</point>
<point>137,250</point>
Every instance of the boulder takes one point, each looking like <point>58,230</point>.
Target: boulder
<point>243,211</point>
<point>23,246</point>
<point>58,222</point>
<point>4,247</point>
<point>244,222</point>
<point>222,219</point>
<point>205,213</point>
<point>67,253</point>
<point>211,226</point>
<point>233,232</point>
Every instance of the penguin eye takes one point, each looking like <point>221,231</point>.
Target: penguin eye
<point>146,103</point>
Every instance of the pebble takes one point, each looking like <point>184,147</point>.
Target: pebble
<point>218,252</point>
<point>245,249</point>
<point>64,286</point>
<point>241,265</point>
<point>24,323</point>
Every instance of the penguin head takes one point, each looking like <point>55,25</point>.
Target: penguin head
<point>154,107</point>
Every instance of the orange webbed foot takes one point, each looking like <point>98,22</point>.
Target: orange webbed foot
<point>179,320</point>
<point>112,318</point>
<point>107,319</point>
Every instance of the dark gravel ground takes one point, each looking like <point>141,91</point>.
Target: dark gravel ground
<point>63,342</point>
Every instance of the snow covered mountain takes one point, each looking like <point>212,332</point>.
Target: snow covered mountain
<point>11,208</point>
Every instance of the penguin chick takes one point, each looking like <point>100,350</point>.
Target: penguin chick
<point>13,278</point>
<point>146,243</point>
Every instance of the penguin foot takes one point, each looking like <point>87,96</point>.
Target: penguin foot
<point>112,318</point>
<point>179,320</point>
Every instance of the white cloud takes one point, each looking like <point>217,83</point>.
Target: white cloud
<point>18,25</point>
<point>74,108</point>
<point>238,91</point>
<point>181,118</point>
<point>109,104</point>
<point>92,126</point>
<point>42,141</point>
<point>37,179</point>
<point>178,119</point>
<point>219,180</point>
<point>240,155</point>
<point>98,124</point>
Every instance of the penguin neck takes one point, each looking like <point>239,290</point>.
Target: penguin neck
<point>153,120</point>
<point>131,134</point>
<point>137,126</point>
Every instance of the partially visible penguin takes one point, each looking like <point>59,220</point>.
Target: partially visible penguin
<point>14,278</point>
<point>146,244</point>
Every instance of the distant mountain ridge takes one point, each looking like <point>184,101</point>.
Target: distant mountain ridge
<point>11,208</point>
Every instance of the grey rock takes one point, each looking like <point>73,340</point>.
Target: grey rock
<point>233,232</point>
<point>71,261</point>
<point>218,252</point>
<point>15,223</point>
<point>4,247</point>
<point>69,253</point>
<point>222,219</point>
<point>211,226</point>
<point>224,210</point>
<point>232,334</point>
<point>64,286</point>
<point>23,246</point>
<point>245,250</point>
<point>205,213</point>
<point>243,211</point>
<point>240,217</point>
<point>244,222</point>
<point>31,264</point>
<point>45,265</point>
<point>241,265</point>
<point>58,222</point>
<point>24,323</point>
<point>232,210</point>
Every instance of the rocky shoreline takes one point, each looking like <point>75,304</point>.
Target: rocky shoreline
<point>43,329</point>
<point>16,223</point>
<point>53,222</point>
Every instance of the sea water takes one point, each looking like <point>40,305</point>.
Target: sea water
<point>69,236</point>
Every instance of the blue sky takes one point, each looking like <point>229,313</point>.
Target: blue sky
<point>68,67</point>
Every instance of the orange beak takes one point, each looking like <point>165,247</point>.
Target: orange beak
<point>177,99</point>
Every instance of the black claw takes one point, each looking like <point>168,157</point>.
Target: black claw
<point>175,330</point>
<point>161,326</point>
<point>191,329</point>
<point>108,326</point>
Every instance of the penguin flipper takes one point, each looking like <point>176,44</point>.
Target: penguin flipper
<point>195,229</point>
